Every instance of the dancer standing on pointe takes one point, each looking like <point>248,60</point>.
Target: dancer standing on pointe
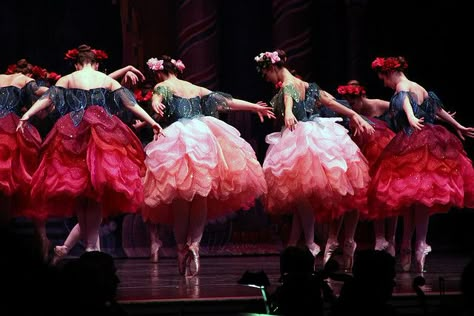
<point>19,152</point>
<point>202,168</point>
<point>371,145</point>
<point>312,167</point>
<point>91,163</point>
<point>424,169</point>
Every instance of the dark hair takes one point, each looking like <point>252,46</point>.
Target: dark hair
<point>24,67</point>
<point>168,66</point>
<point>265,60</point>
<point>85,54</point>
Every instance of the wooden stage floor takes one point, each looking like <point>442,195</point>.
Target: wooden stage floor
<point>148,288</point>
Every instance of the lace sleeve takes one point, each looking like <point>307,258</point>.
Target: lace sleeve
<point>165,92</point>
<point>122,99</point>
<point>278,101</point>
<point>215,102</point>
<point>432,105</point>
<point>57,98</point>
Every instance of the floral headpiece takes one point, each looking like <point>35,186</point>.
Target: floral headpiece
<point>71,54</point>
<point>351,90</point>
<point>266,59</point>
<point>156,64</point>
<point>37,73</point>
<point>388,64</point>
<point>178,64</point>
<point>99,54</point>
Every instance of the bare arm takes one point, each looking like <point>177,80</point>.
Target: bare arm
<point>460,129</point>
<point>412,119</point>
<point>120,73</point>
<point>359,123</point>
<point>137,110</point>
<point>261,108</point>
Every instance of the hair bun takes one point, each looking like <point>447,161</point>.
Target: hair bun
<point>84,48</point>
<point>22,63</point>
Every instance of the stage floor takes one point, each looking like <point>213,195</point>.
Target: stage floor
<point>142,281</point>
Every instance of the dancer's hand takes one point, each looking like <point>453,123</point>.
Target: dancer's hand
<point>263,109</point>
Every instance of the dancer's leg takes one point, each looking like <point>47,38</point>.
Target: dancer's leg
<point>381,242</point>
<point>408,230</point>
<point>155,242</point>
<point>89,219</point>
<point>307,220</point>
<point>421,247</point>
<point>198,219</point>
<point>296,230</point>
<point>351,219</point>
<point>181,213</point>
<point>332,240</point>
<point>391,233</point>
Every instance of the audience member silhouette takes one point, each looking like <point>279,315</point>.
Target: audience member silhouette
<point>301,290</point>
<point>28,282</point>
<point>90,285</point>
<point>370,288</point>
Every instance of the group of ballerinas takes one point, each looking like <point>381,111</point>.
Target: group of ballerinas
<point>92,165</point>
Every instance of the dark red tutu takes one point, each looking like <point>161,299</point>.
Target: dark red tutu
<point>428,167</point>
<point>19,158</point>
<point>372,145</point>
<point>100,159</point>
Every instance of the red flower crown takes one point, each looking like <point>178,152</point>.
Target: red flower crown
<point>351,90</point>
<point>388,64</point>
<point>37,73</point>
<point>99,54</point>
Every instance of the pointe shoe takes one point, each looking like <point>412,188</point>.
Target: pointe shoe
<point>381,244</point>
<point>155,249</point>
<point>391,249</point>
<point>193,258</point>
<point>422,250</point>
<point>331,246</point>
<point>405,259</point>
<point>59,253</point>
<point>182,257</point>
<point>348,254</point>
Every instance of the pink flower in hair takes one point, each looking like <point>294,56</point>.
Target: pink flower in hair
<point>155,64</point>
<point>179,64</point>
<point>266,59</point>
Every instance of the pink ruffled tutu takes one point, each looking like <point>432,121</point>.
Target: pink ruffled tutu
<point>317,162</point>
<point>203,157</point>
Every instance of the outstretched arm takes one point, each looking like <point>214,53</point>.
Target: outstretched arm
<point>138,111</point>
<point>38,106</point>
<point>261,108</point>
<point>358,122</point>
<point>460,129</point>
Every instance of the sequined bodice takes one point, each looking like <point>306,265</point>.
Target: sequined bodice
<point>427,109</point>
<point>178,108</point>
<point>302,108</point>
<point>11,98</point>
<point>74,101</point>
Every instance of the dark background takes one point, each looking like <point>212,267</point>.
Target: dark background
<point>345,36</point>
